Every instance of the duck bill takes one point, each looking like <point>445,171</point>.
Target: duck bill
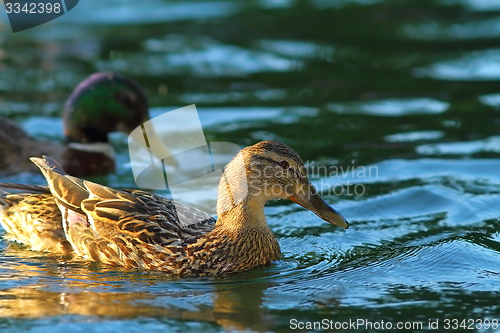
<point>318,206</point>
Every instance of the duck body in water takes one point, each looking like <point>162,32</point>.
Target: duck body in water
<point>137,229</point>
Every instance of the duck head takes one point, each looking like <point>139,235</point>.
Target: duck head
<point>272,170</point>
<point>103,103</point>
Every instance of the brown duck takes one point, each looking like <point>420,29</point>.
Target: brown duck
<point>137,229</point>
<point>103,103</point>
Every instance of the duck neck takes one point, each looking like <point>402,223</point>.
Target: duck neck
<point>85,159</point>
<point>84,135</point>
<point>238,202</point>
<point>244,233</point>
<point>247,214</point>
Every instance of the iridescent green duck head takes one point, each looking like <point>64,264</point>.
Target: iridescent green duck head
<point>105,102</point>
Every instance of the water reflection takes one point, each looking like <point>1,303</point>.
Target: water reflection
<point>391,107</point>
<point>414,136</point>
<point>489,28</point>
<point>297,49</point>
<point>478,5</point>
<point>474,66</point>
<point>491,144</point>
<point>130,12</point>
<point>490,100</point>
<point>83,289</point>
<point>199,56</point>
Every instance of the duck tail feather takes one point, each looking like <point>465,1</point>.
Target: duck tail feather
<point>25,187</point>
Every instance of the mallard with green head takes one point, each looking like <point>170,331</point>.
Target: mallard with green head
<point>137,229</point>
<point>103,103</point>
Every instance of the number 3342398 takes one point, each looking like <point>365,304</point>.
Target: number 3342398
<point>33,8</point>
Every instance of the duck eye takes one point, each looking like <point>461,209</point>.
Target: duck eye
<point>284,164</point>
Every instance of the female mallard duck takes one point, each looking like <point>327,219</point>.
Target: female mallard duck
<point>134,228</point>
<point>103,103</point>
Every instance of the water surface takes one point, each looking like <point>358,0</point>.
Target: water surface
<point>393,105</point>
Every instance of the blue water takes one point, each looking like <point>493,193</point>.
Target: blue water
<point>394,107</point>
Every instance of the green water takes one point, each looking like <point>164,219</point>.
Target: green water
<point>394,105</point>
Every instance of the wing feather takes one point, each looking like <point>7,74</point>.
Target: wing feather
<point>125,227</point>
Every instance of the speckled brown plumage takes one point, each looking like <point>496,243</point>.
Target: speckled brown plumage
<point>137,229</point>
<point>35,220</point>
